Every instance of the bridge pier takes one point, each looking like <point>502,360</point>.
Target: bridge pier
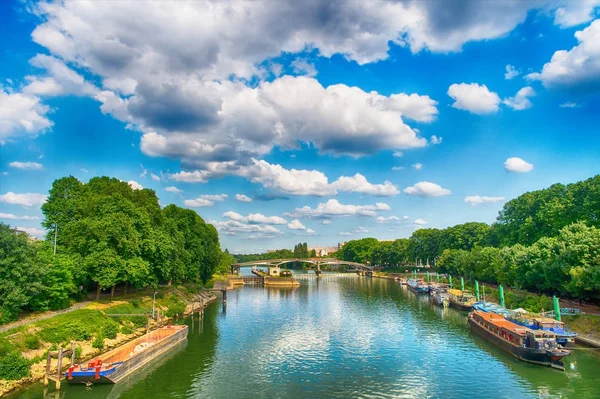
<point>318,270</point>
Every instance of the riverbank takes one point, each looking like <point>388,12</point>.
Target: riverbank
<point>96,328</point>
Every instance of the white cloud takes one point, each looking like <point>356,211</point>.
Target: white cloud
<point>360,230</point>
<point>291,181</point>
<point>310,231</point>
<point>397,168</point>
<point>427,189</point>
<point>575,12</point>
<point>359,184</point>
<point>84,170</point>
<point>26,165</point>
<point>255,218</point>
<point>398,154</point>
<point>474,98</point>
<point>477,199</point>
<point>296,225</point>
<point>577,67</point>
<point>135,185</point>
<point>243,198</point>
<point>154,177</point>
<point>436,140</point>
<point>303,67</point>
<point>60,79</point>
<point>420,222</point>
<point>232,227</point>
<point>26,199</point>
<point>334,208</point>
<point>326,221</point>
<point>259,218</point>
<point>346,233</point>
<point>521,100</point>
<point>418,166</point>
<point>14,217</point>
<point>515,164</point>
<point>198,202</point>
<point>173,189</point>
<point>32,231</point>
<point>405,217</point>
<point>569,105</point>
<point>22,115</point>
<point>214,197</point>
<point>384,219</point>
<point>511,72</point>
<point>412,106</point>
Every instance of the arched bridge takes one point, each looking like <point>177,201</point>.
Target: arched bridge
<point>317,262</point>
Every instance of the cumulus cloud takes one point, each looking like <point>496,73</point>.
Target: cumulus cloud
<point>577,67</point>
<point>569,105</point>
<point>173,189</point>
<point>333,208</point>
<point>346,233</point>
<point>60,79</point>
<point>303,67</point>
<point>26,165</point>
<point>22,115</point>
<point>427,189</point>
<point>405,217</point>
<point>256,218</point>
<point>418,166</point>
<point>435,140</point>
<point>477,199</point>
<point>511,72</point>
<point>474,98</point>
<point>397,168</point>
<point>398,154</point>
<point>25,199</point>
<point>14,217</point>
<point>521,100</point>
<point>232,227</point>
<point>420,222</point>
<point>198,202</point>
<point>243,198</point>
<point>32,231</point>
<point>573,13</point>
<point>296,225</point>
<point>135,185</point>
<point>388,219</point>
<point>154,177</point>
<point>291,181</point>
<point>214,197</point>
<point>518,165</point>
<point>326,221</point>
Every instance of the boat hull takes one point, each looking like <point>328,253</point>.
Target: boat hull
<point>541,357</point>
<point>120,371</point>
<point>460,306</point>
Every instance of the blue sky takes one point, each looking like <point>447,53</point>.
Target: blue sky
<point>337,122</point>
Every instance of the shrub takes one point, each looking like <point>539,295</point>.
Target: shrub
<point>136,303</point>
<point>175,306</point>
<point>78,352</point>
<point>127,329</point>
<point>32,341</point>
<point>13,366</point>
<point>110,330</point>
<point>98,342</point>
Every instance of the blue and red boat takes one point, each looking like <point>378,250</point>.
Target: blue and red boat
<point>418,286</point>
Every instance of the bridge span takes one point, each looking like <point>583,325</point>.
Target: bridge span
<point>316,262</point>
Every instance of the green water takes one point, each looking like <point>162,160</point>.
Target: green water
<point>340,338</point>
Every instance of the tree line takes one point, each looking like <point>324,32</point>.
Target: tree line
<point>107,234</point>
<point>546,240</point>
<point>300,251</point>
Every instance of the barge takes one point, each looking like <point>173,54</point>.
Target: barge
<point>533,346</point>
<point>462,300</point>
<point>564,336</point>
<point>439,295</point>
<point>113,366</point>
<point>418,286</point>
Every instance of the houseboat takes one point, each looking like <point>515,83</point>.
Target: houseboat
<point>491,307</point>
<point>418,286</point>
<point>534,346</point>
<point>462,300</point>
<point>120,362</point>
<point>564,336</point>
<point>439,295</point>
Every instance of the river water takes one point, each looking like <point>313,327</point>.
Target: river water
<point>346,337</point>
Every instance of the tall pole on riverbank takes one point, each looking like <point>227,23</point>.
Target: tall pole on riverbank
<point>450,280</point>
<point>556,308</point>
<point>501,295</point>
<point>477,290</point>
<point>462,284</point>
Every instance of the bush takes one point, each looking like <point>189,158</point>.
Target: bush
<point>175,306</point>
<point>136,303</point>
<point>13,366</point>
<point>32,341</point>
<point>98,342</point>
<point>78,352</point>
<point>110,330</point>
<point>127,329</point>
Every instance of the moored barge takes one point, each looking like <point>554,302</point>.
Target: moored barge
<point>112,366</point>
<point>564,336</point>
<point>533,346</point>
<point>462,300</point>
<point>418,286</point>
<point>439,295</point>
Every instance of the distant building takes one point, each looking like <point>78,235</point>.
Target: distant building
<point>322,251</point>
<point>341,245</point>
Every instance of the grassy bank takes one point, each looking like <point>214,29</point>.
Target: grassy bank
<point>23,350</point>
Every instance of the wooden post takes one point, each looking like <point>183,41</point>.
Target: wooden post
<point>59,368</point>
<point>48,360</point>
<point>73,347</point>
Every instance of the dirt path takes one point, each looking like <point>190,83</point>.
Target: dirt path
<point>42,316</point>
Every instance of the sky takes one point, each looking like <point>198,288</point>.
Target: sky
<point>285,122</point>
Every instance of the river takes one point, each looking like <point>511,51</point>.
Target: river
<point>347,337</point>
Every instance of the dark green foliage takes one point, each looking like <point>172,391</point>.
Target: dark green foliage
<point>127,328</point>
<point>110,330</point>
<point>175,306</point>
<point>32,341</point>
<point>98,342</point>
<point>278,254</point>
<point>13,366</point>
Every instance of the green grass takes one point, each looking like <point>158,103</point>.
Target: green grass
<point>584,324</point>
<point>78,325</point>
